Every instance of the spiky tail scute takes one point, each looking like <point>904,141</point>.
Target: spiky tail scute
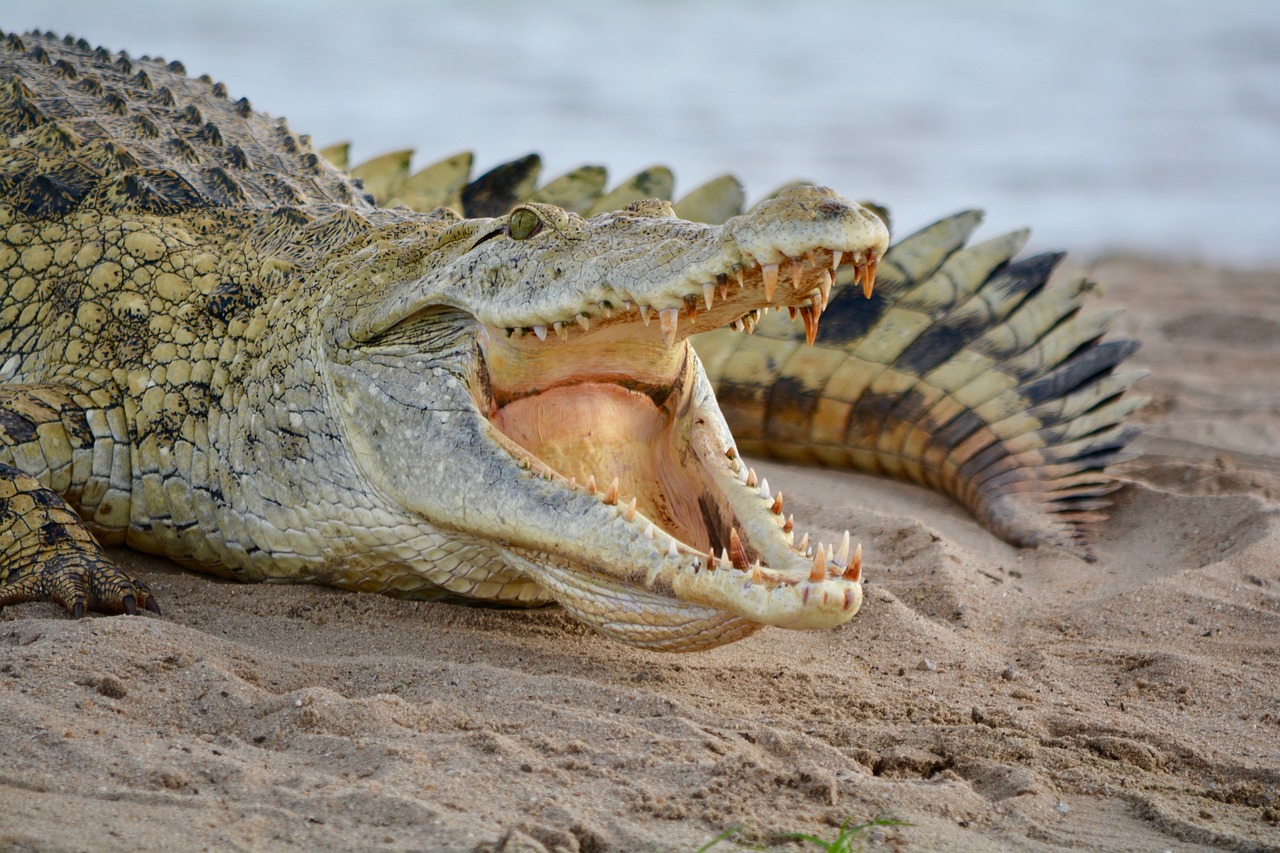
<point>965,371</point>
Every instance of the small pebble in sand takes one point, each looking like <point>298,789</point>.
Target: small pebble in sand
<point>926,665</point>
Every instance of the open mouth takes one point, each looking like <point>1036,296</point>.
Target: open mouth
<point>613,402</point>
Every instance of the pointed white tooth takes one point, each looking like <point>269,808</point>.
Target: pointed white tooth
<point>737,325</point>
<point>764,490</point>
<point>836,255</point>
<point>584,321</point>
<point>670,320</point>
<point>644,314</point>
<point>648,531</point>
<point>561,332</point>
<point>743,475</point>
<point>709,294</point>
<point>752,480</point>
<point>606,310</point>
<point>591,484</point>
<point>724,557</point>
<point>626,305</point>
<point>738,273</point>
<point>629,514</point>
<point>671,550</point>
<point>724,291</point>
<point>541,332</point>
<point>842,557</point>
<point>795,274</point>
<point>824,284</point>
<point>804,543</point>
<point>770,274</point>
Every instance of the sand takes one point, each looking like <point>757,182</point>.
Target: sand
<point>993,698</point>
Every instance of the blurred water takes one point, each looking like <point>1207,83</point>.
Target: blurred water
<point>1142,126</point>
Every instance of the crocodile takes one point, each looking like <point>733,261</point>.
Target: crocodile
<point>219,347</point>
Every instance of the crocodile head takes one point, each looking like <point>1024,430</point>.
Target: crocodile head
<point>528,383</point>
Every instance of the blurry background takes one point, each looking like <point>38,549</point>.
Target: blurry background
<point>1142,126</point>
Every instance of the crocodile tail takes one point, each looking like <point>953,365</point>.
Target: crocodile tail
<point>966,371</point>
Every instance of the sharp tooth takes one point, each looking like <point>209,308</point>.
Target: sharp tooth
<point>869,277</point>
<point>757,576</point>
<point>738,273</point>
<point>737,325</point>
<point>626,305</point>
<point>561,331</point>
<point>795,274</point>
<point>752,481</point>
<point>607,310</point>
<point>743,475</point>
<point>711,561</point>
<point>611,496</point>
<point>648,531</point>
<point>854,570</point>
<point>591,484</point>
<point>819,570</point>
<point>770,274</point>
<point>804,543</point>
<point>764,490</point>
<point>691,304</point>
<point>776,509</point>
<point>791,311</point>
<point>836,255</point>
<point>644,314</point>
<point>790,524</point>
<point>630,513</point>
<point>824,284</point>
<point>709,294</point>
<point>724,556</point>
<point>671,550</point>
<point>724,291</point>
<point>541,332</point>
<point>810,323</point>
<point>573,483</point>
<point>670,319</point>
<point>737,551</point>
<point>843,556</point>
<point>584,321</point>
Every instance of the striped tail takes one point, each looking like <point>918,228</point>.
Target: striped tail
<point>966,371</point>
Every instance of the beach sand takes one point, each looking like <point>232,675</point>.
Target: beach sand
<point>993,698</point>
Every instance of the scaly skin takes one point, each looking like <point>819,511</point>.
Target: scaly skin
<point>217,349</point>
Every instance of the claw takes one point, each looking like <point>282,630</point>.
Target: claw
<point>130,605</point>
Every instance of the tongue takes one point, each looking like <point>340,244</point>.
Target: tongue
<point>606,431</point>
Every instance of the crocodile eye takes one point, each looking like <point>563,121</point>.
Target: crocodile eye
<point>524,224</point>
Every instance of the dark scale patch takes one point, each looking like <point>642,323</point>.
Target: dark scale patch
<point>82,44</point>
<point>290,216</point>
<point>90,86</point>
<point>743,409</point>
<point>498,190</point>
<point>981,461</point>
<point>143,81</point>
<point>145,127</point>
<point>47,197</point>
<point>177,68</point>
<point>937,344</point>
<point>958,429</point>
<point>65,70</point>
<point>870,411</point>
<point>191,115</point>
<point>237,158</point>
<point>243,108</point>
<point>18,114</point>
<point>1027,276</point>
<point>124,65</point>
<point>152,191</point>
<point>115,104</point>
<point>164,97</point>
<point>51,532</point>
<point>224,189</point>
<point>16,429</point>
<point>39,55</point>
<point>849,316</point>
<point>1086,366</point>
<point>910,407</point>
<point>14,44</point>
<point>101,55</point>
<point>230,300</point>
<point>209,134</point>
<point>790,410</point>
<point>284,192</point>
<point>108,156</point>
<point>53,138</point>
<point>219,90</point>
<point>184,151</point>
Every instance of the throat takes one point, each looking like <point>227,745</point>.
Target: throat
<point>606,431</point>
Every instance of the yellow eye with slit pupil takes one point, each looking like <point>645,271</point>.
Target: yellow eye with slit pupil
<point>524,224</point>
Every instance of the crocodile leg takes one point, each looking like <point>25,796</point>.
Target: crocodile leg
<point>47,553</point>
